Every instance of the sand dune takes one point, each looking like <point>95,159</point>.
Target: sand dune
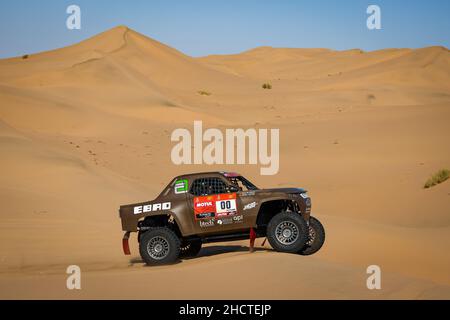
<point>86,128</point>
<point>427,65</point>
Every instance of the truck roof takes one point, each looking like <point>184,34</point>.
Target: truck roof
<point>223,173</point>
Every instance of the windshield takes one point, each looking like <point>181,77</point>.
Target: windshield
<point>242,183</point>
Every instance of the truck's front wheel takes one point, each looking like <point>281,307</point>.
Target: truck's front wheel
<point>287,232</point>
<point>159,246</point>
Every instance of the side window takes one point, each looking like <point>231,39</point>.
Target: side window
<point>207,186</point>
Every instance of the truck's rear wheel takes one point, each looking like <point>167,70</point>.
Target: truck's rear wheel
<point>159,246</point>
<point>190,249</point>
<point>316,237</point>
<point>287,232</point>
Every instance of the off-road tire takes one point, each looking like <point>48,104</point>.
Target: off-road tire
<point>291,241</point>
<point>163,239</point>
<point>190,249</point>
<point>316,237</point>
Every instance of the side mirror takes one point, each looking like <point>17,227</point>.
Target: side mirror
<point>233,189</point>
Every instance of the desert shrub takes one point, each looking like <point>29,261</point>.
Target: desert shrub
<point>267,86</point>
<point>25,56</point>
<point>437,178</point>
<point>204,93</point>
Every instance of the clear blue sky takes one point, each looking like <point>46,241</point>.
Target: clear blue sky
<point>201,27</point>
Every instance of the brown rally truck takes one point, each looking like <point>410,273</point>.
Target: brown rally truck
<point>220,206</point>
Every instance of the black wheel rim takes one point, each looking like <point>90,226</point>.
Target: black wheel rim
<point>311,236</point>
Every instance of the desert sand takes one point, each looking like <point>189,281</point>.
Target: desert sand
<point>86,128</point>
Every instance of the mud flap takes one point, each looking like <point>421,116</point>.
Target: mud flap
<point>125,244</point>
<point>252,239</point>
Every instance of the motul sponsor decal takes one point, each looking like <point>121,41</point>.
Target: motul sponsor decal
<point>207,204</point>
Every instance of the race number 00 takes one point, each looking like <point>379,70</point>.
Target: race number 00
<point>225,206</point>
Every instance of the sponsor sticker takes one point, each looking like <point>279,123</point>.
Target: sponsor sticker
<point>152,207</point>
<point>181,186</point>
<point>250,205</point>
<point>219,205</point>
<point>224,221</point>
<point>238,219</point>
<point>207,223</point>
<point>205,215</point>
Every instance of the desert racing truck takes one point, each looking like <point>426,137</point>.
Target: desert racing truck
<point>219,206</point>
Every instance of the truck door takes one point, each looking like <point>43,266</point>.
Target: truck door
<point>214,209</point>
